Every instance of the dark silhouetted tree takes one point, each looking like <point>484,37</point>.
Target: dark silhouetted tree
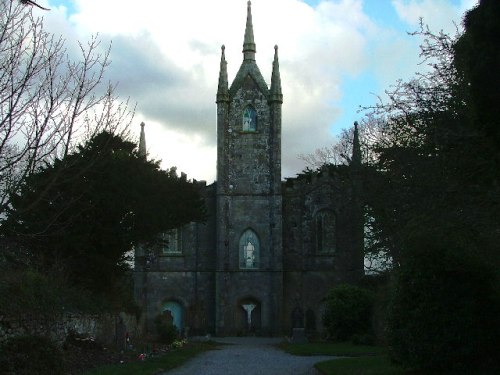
<point>48,101</point>
<point>96,204</point>
<point>435,199</point>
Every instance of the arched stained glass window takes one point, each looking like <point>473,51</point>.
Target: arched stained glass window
<point>249,248</point>
<point>325,228</point>
<point>249,119</point>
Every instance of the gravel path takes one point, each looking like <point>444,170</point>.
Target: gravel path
<point>249,356</point>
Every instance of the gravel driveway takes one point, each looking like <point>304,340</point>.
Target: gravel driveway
<point>249,356</point>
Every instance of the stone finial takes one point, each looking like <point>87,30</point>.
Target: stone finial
<point>142,141</point>
<point>275,91</point>
<point>356,146</point>
<point>223,90</point>
<point>249,48</point>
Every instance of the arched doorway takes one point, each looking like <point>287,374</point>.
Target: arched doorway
<point>310,323</point>
<point>177,312</point>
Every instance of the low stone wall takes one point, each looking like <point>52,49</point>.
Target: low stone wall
<point>108,329</point>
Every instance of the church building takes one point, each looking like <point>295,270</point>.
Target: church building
<point>270,250</point>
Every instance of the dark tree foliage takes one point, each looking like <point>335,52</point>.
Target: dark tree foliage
<point>82,214</point>
<point>444,310</point>
<point>435,199</point>
<point>477,58</point>
<point>347,313</point>
<point>25,355</point>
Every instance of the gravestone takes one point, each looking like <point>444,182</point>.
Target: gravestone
<point>121,334</point>
<point>298,331</point>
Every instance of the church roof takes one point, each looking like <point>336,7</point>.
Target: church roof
<point>249,67</point>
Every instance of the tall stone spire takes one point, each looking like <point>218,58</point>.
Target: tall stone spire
<point>275,92</point>
<point>249,43</point>
<point>142,141</point>
<point>356,146</point>
<point>222,90</point>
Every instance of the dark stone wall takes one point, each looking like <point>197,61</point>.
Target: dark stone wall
<point>292,275</point>
<point>187,277</point>
<point>308,272</point>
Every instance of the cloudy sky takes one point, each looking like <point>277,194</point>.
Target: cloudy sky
<point>335,55</point>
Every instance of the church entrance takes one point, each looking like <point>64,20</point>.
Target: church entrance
<point>176,311</point>
<point>248,316</point>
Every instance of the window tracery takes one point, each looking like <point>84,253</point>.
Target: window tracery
<point>249,119</point>
<point>170,242</point>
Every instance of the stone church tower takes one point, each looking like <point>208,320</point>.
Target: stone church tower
<point>270,250</point>
<point>248,199</point>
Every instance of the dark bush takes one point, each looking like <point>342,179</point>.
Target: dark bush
<point>29,355</point>
<point>363,339</point>
<point>348,312</point>
<point>167,333</point>
<point>445,307</point>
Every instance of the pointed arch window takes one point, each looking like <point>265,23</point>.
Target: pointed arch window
<point>249,248</point>
<point>249,119</point>
<point>325,229</point>
<point>171,242</point>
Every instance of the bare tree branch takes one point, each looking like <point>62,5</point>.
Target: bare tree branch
<point>48,102</point>
<point>32,3</point>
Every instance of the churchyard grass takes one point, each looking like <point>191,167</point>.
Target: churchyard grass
<point>332,348</point>
<point>154,365</point>
<point>364,359</point>
<point>365,365</point>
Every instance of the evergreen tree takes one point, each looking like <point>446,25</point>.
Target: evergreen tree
<point>84,213</point>
<point>435,199</point>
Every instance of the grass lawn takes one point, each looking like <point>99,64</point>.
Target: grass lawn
<point>342,349</point>
<point>365,359</point>
<point>371,365</point>
<point>154,365</point>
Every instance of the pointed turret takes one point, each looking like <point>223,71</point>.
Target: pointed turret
<point>249,43</point>
<point>275,92</point>
<point>142,141</point>
<point>223,90</point>
<point>356,146</point>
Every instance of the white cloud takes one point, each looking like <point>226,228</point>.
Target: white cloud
<point>166,54</point>
<point>437,14</point>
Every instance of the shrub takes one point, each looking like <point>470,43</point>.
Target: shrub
<point>28,355</point>
<point>167,333</point>
<point>445,307</point>
<point>348,312</point>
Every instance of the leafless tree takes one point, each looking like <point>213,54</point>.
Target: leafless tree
<point>48,102</point>
<point>341,151</point>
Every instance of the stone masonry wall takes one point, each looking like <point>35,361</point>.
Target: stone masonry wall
<point>108,329</point>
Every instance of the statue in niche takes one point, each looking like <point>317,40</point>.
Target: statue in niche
<point>249,250</point>
<point>249,254</point>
